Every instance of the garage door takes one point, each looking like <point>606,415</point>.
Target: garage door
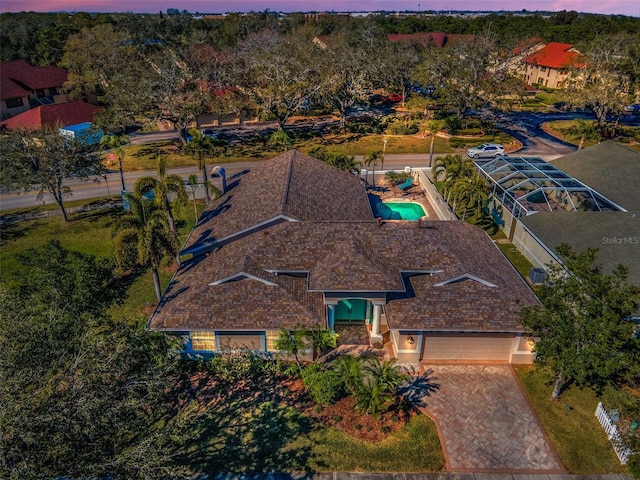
<point>468,347</point>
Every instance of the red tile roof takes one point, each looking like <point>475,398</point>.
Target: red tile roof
<point>19,79</point>
<point>554,55</point>
<point>57,114</point>
<point>436,38</point>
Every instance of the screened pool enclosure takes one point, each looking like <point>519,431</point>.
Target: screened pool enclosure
<point>526,186</point>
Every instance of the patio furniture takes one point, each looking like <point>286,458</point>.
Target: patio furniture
<point>408,183</point>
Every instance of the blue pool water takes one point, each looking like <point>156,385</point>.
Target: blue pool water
<point>399,211</point>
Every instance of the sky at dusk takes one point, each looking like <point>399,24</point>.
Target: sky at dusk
<point>624,7</point>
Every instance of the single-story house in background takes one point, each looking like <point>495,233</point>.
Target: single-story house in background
<point>293,243</point>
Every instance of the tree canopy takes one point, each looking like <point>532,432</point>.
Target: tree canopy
<point>81,394</point>
<point>584,323</point>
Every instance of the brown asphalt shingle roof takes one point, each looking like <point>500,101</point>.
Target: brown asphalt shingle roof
<point>350,257</point>
<point>291,186</point>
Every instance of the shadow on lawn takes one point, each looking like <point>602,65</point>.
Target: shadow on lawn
<point>243,435</point>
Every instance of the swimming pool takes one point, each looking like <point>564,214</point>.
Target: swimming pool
<point>399,211</point>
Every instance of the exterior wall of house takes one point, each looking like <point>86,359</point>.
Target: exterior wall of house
<point>522,351</point>
<point>238,341</point>
<point>545,76</point>
<point>406,352</point>
<point>10,111</point>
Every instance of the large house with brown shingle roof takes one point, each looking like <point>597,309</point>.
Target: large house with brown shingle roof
<point>550,65</point>
<point>23,86</point>
<point>293,243</point>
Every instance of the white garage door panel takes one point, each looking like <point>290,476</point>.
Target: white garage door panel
<point>467,347</point>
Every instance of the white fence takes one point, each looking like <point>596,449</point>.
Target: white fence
<point>613,434</point>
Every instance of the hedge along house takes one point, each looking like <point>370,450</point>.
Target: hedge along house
<point>294,243</point>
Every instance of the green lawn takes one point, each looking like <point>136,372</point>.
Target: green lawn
<point>87,232</point>
<point>571,424</point>
<point>243,435</point>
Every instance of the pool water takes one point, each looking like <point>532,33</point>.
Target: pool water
<point>400,211</point>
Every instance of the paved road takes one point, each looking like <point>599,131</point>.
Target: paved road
<point>523,126</point>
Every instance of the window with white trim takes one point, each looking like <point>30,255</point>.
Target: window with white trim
<point>272,337</point>
<point>203,341</point>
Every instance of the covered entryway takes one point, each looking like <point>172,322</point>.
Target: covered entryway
<point>352,311</point>
<point>474,347</point>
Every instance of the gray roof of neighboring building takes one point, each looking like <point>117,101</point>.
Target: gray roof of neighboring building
<point>291,186</point>
<point>615,234</point>
<point>609,168</point>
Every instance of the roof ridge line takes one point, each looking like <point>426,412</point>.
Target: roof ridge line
<point>288,176</point>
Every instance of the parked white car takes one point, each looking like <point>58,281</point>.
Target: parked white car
<point>486,150</point>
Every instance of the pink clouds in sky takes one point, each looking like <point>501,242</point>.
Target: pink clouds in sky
<point>624,7</point>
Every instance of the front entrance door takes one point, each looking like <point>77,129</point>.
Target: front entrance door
<point>352,311</point>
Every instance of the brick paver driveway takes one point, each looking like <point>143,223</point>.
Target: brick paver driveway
<point>485,422</point>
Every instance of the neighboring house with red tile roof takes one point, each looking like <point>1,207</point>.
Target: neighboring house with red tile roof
<point>293,243</point>
<point>550,65</point>
<point>54,115</point>
<point>23,86</point>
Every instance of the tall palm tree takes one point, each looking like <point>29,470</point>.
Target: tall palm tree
<point>370,159</point>
<point>143,237</point>
<point>116,142</point>
<point>171,183</point>
<point>201,147</point>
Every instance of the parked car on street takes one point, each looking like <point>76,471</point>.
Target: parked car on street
<point>207,132</point>
<point>486,150</point>
<point>633,108</point>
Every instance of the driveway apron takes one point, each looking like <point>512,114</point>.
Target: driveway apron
<point>486,423</point>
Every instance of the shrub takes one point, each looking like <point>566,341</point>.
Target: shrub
<point>231,367</point>
<point>452,124</point>
<point>385,429</point>
<point>402,128</point>
<point>324,386</point>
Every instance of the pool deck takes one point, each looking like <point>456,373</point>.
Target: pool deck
<point>390,193</point>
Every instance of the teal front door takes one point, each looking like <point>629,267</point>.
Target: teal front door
<point>352,310</point>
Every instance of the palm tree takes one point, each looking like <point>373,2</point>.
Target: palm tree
<point>193,184</point>
<point>167,184</point>
<point>370,160</point>
<point>322,340</point>
<point>143,236</point>
<point>350,369</point>
<point>387,373</point>
<point>293,342</point>
<point>116,142</point>
<point>201,147</point>
<point>371,397</point>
